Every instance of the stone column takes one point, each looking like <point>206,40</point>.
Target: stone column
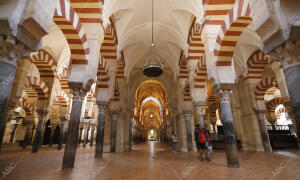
<point>80,133</point>
<point>165,128</point>
<point>213,121</point>
<point>4,114</point>
<point>199,105</point>
<point>85,137</point>
<point>113,132</point>
<point>288,55</point>
<point>92,134</point>
<point>263,130</point>
<point>53,127</point>
<point>11,52</point>
<point>188,116</point>
<point>12,135</point>
<point>102,105</point>
<point>27,134</point>
<point>72,137</point>
<point>62,128</point>
<point>39,130</point>
<point>229,134</point>
<point>130,134</point>
<point>287,105</point>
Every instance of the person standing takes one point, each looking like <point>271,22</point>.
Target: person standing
<point>202,141</point>
<point>174,141</point>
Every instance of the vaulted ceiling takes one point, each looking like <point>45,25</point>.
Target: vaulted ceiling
<point>172,21</point>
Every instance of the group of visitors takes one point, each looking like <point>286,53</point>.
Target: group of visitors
<point>202,141</point>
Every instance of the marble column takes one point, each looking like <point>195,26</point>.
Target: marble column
<point>11,52</point>
<point>199,105</point>
<point>80,134</point>
<point>214,126</point>
<point>53,127</point>
<point>4,117</point>
<point>62,128</point>
<point>39,130</point>
<point>165,128</point>
<point>113,132</point>
<point>92,134</point>
<point>27,134</point>
<point>15,126</point>
<point>229,133</point>
<point>85,136</point>
<point>130,134</point>
<point>263,130</point>
<point>72,137</point>
<point>188,117</point>
<point>287,105</point>
<point>102,106</point>
<point>288,55</point>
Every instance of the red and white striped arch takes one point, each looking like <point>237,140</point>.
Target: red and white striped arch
<point>187,93</point>
<point>211,98</point>
<point>280,111</point>
<point>237,19</point>
<point>56,102</point>
<point>39,86</point>
<point>28,108</point>
<point>53,114</point>
<point>120,70</point>
<point>31,93</point>
<point>63,98</point>
<point>196,47</point>
<point>183,70</point>
<point>63,79</point>
<point>102,75</point>
<point>116,92</point>
<point>217,10</point>
<point>69,23</point>
<point>109,46</point>
<point>271,105</point>
<point>45,63</point>
<point>213,109</point>
<point>90,96</point>
<point>256,65</point>
<point>201,74</point>
<point>271,91</point>
<point>88,11</point>
<point>263,86</point>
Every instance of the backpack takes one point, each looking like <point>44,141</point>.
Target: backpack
<point>201,137</point>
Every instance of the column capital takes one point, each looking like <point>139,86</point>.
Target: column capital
<point>199,105</point>
<point>224,95</point>
<point>258,111</point>
<point>63,118</point>
<point>188,114</point>
<point>288,54</point>
<point>115,115</point>
<point>102,105</point>
<point>130,110</point>
<point>77,91</point>
<point>11,104</point>
<point>13,50</point>
<point>42,111</point>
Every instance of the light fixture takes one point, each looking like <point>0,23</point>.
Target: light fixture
<point>153,67</point>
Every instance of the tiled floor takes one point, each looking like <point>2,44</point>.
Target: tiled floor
<point>150,162</point>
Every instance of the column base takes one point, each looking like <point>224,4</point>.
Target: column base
<point>68,163</point>
<point>232,156</point>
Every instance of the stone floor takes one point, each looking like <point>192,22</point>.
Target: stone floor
<point>151,161</point>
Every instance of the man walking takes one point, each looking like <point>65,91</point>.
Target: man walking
<point>202,141</point>
<point>174,141</point>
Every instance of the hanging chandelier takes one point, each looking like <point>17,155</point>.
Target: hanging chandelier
<point>153,66</point>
